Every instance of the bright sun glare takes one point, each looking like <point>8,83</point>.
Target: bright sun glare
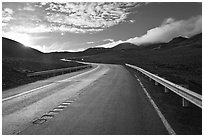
<point>23,38</point>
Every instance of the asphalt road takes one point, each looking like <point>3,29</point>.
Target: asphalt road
<point>105,100</point>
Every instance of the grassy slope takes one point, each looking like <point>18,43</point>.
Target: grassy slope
<point>18,60</point>
<point>14,70</point>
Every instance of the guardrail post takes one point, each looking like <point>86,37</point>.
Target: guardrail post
<point>166,90</point>
<point>187,95</point>
<point>156,83</point>
<point>185,103</point>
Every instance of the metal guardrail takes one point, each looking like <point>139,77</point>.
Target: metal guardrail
<point>179,90</point>
<point>58,70</point>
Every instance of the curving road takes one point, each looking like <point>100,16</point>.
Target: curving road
<point>104,100</point>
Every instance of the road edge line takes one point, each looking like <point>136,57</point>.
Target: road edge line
<point>26,92</point>
<point>29,91</point>
<point>163,119</point>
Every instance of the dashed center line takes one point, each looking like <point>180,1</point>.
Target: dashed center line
<point>61,106</point>
<point>47,116</point>
<point>53,112</point>
<point>65,103</point>
<point>57,109</point>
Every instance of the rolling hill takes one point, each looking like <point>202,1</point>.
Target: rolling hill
<point>18,61</point>
<point>125,46</point>
<point>179,60</point>
<point>11,48</point>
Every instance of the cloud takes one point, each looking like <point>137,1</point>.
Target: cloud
<point>24,38</point>
<point>168,21</point>
<point>7,15</point>
<point>169,29</point>
<point>87,16</point>
<point>27,8</point>
<point>101,41</point>
<point>55,47</point>
<point>8,10</point>
<point>59,47</point>
<point>131,21</point>
<point>111,44</point>
<point>74,17</point>
<point>90,42</point>
<point>110,40</point>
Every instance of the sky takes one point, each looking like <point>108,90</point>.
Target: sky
<point>76,26</point>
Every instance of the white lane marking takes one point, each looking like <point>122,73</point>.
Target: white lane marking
<point>65,103</point>
<point>61,106</point>
<point>69,101</point>
<point>163,119</point>
<point>26,92</point>
<point>46,116</point>
<point>57,109</point>
<point>29,91</point>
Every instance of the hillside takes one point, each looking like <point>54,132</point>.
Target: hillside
<point>11,48</point>
<point>124,46</point>
<point>195,41</point>
<point>177,40</point>
<point>73,55</point>
<point>18,61</point>
<point>180,60</point>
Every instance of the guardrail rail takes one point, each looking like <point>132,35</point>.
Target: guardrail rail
<point>179,90</point>
<point>63,70</point>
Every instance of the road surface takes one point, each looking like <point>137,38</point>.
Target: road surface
<point>105,100</point>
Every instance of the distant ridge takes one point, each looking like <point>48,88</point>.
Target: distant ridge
<point>197,37</point>
<point>96,50</point>
<point>195,40</point>
<point>177,40</point>
<point>11,48</point>
<point>125,46</point>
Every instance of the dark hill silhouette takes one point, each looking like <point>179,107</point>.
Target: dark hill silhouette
<point>61,55</point>
<point>96,50</point>
<point>18,61</point>
<point>177,40</point>
<point>180,60</point>
<point>125,46</point>
<point>195,41</point>
<point>11,48</point>
<point>197,37</point>
<point>180,54</point>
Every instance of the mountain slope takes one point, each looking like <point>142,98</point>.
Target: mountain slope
<point>195,41</point>
<point>177,40</point>
<point>11,48</point>
<point>125,46</point>
<point>18,61</point>
<point>180,62</point>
